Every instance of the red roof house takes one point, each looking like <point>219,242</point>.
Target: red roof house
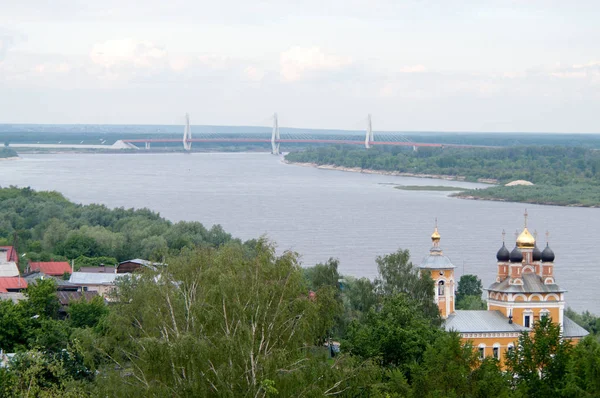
<point>12,284</point>
<point>11,254</point>
<point>52,268</point>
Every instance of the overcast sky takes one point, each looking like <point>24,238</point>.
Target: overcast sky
<point>460,65</point>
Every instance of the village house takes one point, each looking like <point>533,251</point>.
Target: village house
<point>51,268</point>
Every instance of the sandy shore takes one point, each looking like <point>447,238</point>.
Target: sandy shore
<point>388,173</point>
<point>11,158</point>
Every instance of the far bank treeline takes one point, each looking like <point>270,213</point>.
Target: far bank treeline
<point>233,319</point>
<point>562,175</point>
<point>45,226</point>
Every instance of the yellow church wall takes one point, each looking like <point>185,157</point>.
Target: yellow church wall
<point>489,342</point>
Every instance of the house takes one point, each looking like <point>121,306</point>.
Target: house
<point>524,292</point>
<point>51,268</point>
<point>15,297</point>
<point>12,284</point>
<point>8,254</point>
<point>129,266</point>
<point>102,283</point>
<point>65,298</point>
<point>101,269</point>
<point>8,262</point>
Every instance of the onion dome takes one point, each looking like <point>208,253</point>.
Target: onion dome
<point>516,256</point>
<point>525,240</point>
<point>536,254</point>
<point>547,254</point>
<point>435,235</point>
<point>503,255</point>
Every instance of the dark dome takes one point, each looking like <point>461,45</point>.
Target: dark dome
<point>536,254</point>
<point>547,255</point>
<point>503,255</point>
<point>516,256</point>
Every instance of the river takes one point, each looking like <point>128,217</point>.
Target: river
<point>322,213</point>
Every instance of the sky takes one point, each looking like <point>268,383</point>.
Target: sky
<point>428,65</point>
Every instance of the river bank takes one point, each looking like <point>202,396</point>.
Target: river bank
<point>579,195</point>
<point>390,173</point>
<point>10,158</point>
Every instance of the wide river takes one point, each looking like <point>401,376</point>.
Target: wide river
<point>322,213</point>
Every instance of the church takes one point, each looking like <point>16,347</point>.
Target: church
<point>524,291</point>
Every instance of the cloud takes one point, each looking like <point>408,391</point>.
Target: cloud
<point>412,69</point>
<point>589,71</point>
<point>299,62</point>
<point>128,52</point>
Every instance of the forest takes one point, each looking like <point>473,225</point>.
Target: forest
<point>562,175</point>
<point>229,318</point>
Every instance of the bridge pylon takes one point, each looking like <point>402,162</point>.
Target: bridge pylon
<point>187,134</point>
<point>275,137</point>
<point>369,136</point>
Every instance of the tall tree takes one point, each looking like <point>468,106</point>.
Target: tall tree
<point>538,365</point>
<point>216,322</point>
<point>397,274</point>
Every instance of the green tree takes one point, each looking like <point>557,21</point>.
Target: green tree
<point>216,322</point>
<point>446,367</point>
<point>469,285</point>
<point>323,275</point>
<point>537,365</point>
<point>397,274</point>
<point>583,376</point>
<point>468,293</point>
<point>42,300</point>
<point>83,313</point>
<point>397,334</point>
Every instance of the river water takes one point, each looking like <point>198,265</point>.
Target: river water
<point>322,213</point>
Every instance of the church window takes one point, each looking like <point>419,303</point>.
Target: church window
<point>481,351</point>
<point>527,321</point>
<point>440,288</point>
<point>510,348</point>
<point>496,351</point>
<point>544,314</point>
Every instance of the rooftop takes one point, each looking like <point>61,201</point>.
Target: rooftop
<point>480,322</point>
<point>53,268</point>
<point>532,283</point>
<point>9,269</point>
<point>12,283</point>
<point>436,261</point>
<point>8,253</point>
<point>571,329</point>
<point>92,278</point>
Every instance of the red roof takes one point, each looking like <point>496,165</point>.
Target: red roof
<point>12,253</point>
<point>52,268</point>
<point>12,283</point>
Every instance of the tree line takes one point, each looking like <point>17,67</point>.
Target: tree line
<point>563,175</point>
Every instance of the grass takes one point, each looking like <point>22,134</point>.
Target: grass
<point>428,188</point>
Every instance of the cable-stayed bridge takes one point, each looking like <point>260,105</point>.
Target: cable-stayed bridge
<point>275,138</point>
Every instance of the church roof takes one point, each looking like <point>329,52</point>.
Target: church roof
<point>571,329</point>
<point>532,283</point>
<point>480,322</point>
<point>436,261</point>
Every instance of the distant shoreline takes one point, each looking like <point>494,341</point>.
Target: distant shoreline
<point>391,173</point>
<point>10,158</point>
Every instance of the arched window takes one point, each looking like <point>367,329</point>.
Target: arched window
<point>440,288</point>
<point>481,350</point>
<point>496,351</point>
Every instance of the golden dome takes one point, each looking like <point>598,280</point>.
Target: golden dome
<point>435,235</point>
<point>525,240</point>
